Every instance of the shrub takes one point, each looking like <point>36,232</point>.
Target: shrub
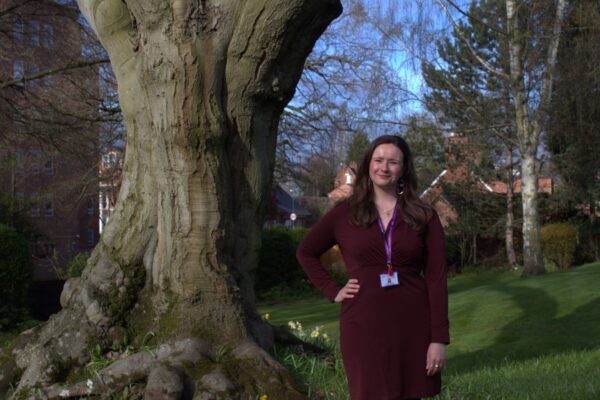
<point>588,246</point>
<point>15,275</point>
<point>77,264</point>
<point>297,234</point>
<point>277,262</point>
<point>558,243</point>
<point>454,256</point>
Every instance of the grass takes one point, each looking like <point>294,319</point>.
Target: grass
<point>512,338</point>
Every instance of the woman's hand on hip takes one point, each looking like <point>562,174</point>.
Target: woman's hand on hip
<point>348,291</point>
<point>436,358</point>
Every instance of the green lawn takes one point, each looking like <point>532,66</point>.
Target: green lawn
<point>512,338</point>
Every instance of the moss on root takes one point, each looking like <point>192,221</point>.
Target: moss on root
<point>258,379</point>
<point>119,298</point>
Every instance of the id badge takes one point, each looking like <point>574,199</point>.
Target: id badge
<point>389,280</point>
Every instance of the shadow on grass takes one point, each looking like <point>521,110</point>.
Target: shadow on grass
<point>536,332</point>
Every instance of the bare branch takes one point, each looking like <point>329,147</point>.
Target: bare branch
<point>52,71</point>
<point>483,63</point>
<point>548,73</point>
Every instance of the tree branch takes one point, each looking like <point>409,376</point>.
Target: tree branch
<point>52,71</point>
<point>481,61</point>
<point>10,9</point>
<point>547,81</point>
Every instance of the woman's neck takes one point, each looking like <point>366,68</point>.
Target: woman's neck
<point>383,197</point>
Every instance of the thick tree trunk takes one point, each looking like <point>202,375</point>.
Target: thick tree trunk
<point>202,85</point>
<point>510,217</point>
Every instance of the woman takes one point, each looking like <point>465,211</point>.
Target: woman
<point>394,313</point>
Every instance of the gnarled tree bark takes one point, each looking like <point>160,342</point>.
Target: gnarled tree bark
<point>202,85</point>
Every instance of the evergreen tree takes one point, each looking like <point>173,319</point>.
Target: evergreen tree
<point>357,148</point>
<point>427,145</point>
<point>573,134</point>
<point>470,99</point>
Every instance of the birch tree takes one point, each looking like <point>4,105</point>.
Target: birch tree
<point>533,34</point>
<point>201,86</point>
<point>467,97</point>
<point>531,108</point>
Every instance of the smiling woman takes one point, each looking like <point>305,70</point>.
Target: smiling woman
<point>385,168</point>
<point>394,308</point>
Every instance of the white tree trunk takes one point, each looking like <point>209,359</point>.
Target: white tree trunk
<point>529,125</point>
<point>510,217</point>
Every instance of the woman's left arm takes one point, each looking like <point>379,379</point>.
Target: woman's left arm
<point>437,289</point>
<point>435,277</point>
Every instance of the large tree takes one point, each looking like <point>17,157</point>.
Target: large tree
<point>533,30</point>
<point>470,99</point>
<point>533,36</point>
<point>574,128</point>
<point>201,86</point>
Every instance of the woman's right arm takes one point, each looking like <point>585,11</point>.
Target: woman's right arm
<point>316,242</point>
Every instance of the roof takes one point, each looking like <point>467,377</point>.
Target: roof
<point>288,204</point>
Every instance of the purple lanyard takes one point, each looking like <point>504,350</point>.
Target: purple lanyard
<point>387,240</point>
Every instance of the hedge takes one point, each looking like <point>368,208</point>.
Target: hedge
<point>558,243</point>
<point>15,275</point>
<point>277,265</point>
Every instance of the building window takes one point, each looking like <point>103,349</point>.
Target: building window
<point>19,72</point>
<point>348,178</point>
<point>109,160</point>
<point>35,205</point>
<point>34,69</point>
<point>90,206</point>
<point>91,237</point>
<point>18,30</point>
<point>20,161</point>
<point>48,36</point>
<point>35,161</point>
<point>20,197</point>
<point>34,33</point>
<point>49,249</point>
<point>49,167</point>
<point>49,206</point>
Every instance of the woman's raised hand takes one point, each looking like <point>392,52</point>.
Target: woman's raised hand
<point>348,291</point>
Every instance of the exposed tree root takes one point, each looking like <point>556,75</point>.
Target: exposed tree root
<point>286,338</point>
<point>183,369</point>
<point>137,367</point>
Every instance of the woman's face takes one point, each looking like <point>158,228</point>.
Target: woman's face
<point>386,166</point>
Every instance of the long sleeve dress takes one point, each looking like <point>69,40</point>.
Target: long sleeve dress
<point>385,332</point>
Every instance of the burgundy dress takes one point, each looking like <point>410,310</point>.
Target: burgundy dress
<point>385,332</point>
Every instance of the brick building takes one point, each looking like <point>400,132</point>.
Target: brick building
<point>110,177</point>
<point>49,147</point>
<point>462,156</point>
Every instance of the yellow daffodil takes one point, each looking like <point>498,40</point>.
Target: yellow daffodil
<point>267,316</point>
<point>314,333</point>
<point>264,397</point>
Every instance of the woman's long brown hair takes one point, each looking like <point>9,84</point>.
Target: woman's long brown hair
<point>412,210</point>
